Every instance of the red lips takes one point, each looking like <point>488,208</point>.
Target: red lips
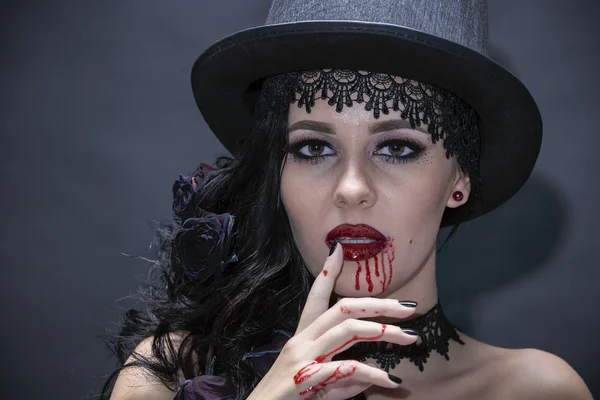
<point>357,251</point>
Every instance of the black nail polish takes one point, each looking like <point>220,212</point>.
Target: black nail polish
<point>411,332</point>
<point>394,379</point>
<point>333,246</point>
<point>408,303</point>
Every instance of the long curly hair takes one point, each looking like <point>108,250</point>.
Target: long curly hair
<point>225,317</point>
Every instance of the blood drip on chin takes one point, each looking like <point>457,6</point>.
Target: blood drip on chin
<point>357,283</point>
<point>368,277</point>
<point>388,252</point>
<point>391,254</point>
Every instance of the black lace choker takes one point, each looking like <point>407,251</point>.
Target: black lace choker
<point>435,332</point>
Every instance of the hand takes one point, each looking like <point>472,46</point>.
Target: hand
<point>304,368</point>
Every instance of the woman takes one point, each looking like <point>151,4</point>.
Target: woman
<point>304,266</point>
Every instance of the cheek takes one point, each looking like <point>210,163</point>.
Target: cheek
<point>293,195</point>
<point>308,208</point>
<point>413,206</point>
<point>418,191</point>
<point>411,210</point>
<point>301,209</point>
<point>305,192</point>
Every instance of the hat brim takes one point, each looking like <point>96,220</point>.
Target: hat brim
<point>225,76</point>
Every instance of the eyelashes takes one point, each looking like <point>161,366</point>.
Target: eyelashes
<point>303,150</point>
<point>394,151</point>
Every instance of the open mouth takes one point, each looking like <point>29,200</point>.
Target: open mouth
<point>353,240</point>
<point>360,242</point>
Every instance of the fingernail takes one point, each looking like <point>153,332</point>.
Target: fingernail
<point>411,332</point>
<point>408,303</point>
<point>333,246</point>
<point>394,379</point>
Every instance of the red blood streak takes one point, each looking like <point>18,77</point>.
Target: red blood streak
<point>368,271</point>
<point>357,283</point>
<point>363,310</point>
<point>325,272</point>
<point>344,309</point>
<point>376,312</point>
<point>391,259</point>
<point>336,376</point>
<point>389,252</point>
<point>383,271</point>
<point>302,375</point>
<point>386,283</point>
<point>322,357</point>
<point>387,280</point>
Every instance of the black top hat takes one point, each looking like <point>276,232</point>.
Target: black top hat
<point>441,42</point>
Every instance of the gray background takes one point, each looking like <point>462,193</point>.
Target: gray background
<point>97,120</point>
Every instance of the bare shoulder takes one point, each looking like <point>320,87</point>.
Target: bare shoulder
<point>136,383</point>
<point>536,374</point>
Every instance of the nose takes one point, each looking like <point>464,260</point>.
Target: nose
<point>354,190</point>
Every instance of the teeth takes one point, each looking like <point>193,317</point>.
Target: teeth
<point>355,240</point>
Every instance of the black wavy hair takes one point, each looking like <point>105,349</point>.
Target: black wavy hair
<point>225,318</point>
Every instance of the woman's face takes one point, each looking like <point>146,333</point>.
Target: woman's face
<point>376,185</point>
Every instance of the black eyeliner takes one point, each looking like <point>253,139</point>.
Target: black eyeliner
<point>296,145</point>
<point>416,147</point>
<point>293,148</point>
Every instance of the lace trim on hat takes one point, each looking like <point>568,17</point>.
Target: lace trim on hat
<point>447,117</point>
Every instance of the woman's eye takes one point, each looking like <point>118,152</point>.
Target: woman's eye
<point>395,150</point>
<point>315,150</point>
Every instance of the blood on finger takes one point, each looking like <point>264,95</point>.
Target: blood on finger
<point>308,370</point>
<point>322,357</point>
<point>346,310</point>
<point>334,377</point>
<point>303,373</point>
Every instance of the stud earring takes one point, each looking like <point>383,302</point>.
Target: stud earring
<point>458,195</point>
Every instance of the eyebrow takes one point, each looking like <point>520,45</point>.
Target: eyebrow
<point>377,127</point>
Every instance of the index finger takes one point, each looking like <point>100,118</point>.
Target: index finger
<point>318,298</point>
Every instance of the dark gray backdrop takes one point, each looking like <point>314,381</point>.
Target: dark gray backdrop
<point>97,120</point>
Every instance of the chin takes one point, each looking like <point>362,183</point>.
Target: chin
<point>362,279</point>
<point>371,276</point>
<point>346,290</point>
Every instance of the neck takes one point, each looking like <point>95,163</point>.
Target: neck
<point>435,354</point>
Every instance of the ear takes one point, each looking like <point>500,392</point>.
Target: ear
<point>462,183</point>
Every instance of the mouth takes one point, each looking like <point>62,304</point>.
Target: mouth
<point>360,242</point>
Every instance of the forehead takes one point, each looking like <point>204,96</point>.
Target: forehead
<point>354,116</point>
<point>350,90</point>
<point>322,111</point>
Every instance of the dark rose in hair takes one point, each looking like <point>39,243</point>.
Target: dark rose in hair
<point>205,245</point>
<point>185,187</point>
<point>209,387</point>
